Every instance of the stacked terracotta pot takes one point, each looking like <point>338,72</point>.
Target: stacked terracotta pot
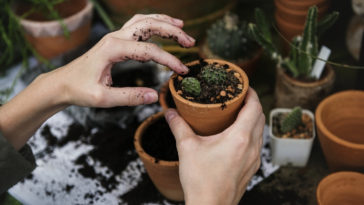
<point>290,15</point>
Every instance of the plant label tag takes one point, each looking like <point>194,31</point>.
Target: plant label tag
<point>320,62</point>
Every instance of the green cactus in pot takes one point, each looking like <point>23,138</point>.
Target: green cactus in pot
<point>292,120</point>
<point>304,48</point>
<point>228,39</point>
<point>214,74</point>
<point>191,86</point>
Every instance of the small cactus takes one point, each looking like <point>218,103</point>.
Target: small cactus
<point>227,38</point>
<point>191,86</point>
<point>292,120</point>
<point>214,74</point>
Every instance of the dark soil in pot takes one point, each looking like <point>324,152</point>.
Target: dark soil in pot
<point>303,131</point>
<point>211,94</point>
<point>158,141</point>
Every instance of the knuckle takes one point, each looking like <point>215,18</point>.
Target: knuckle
<point>185,143</point>
<point>97,97</point>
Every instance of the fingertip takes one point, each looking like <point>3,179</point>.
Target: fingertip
<point>150,97</point>
<point>170,114</point>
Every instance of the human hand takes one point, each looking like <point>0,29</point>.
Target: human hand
<point>89,76</point>
<point>217,169</point>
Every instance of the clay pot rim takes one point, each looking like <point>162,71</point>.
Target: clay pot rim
<point>88,7</point>
<point>281,6</point>
<point>274,111</point>
<point>137,139</point>
<point>320,124</point>
<point>341,174</point>
<point>324,80</point>
<point>163,95</point>
<point>301,3</point>
<point>227,103</point>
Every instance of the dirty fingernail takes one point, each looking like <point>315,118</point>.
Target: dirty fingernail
<point>191,39</point>
<point>184,70</point>
<point>178,21</point>
<point>150,97</point>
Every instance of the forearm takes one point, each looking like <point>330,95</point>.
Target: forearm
<point>25,113</point>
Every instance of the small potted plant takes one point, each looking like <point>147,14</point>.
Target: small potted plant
<point>210,96</point>
<point>54,27</point>
<point>156,146</point>
<point>228,39</point>
<point>294,83</point>
<point>291,135</point>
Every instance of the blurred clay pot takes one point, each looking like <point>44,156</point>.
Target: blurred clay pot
<point>47,37</point>
<point>165,97</point>
<point>248,65</point>
<point>164,174</point>
<point>290,92</point>
<point>195,14</point>
<point>291,15</point>
<point>208,119</point>
<point>341,188</point>
<point>340,128</point>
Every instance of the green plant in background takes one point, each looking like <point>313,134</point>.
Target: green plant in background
<point>191,86</point>
<point>213,74</point>
<point>304,48</point>
<point>228,38</point>
<point>292,120</point>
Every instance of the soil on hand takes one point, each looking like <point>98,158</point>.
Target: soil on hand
<point>303,131</point>
<point>158,141</point>
<point>211,94</point>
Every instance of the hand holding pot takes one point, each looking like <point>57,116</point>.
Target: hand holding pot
<point>216,169</point>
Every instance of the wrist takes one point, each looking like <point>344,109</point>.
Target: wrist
<point>209,197</point>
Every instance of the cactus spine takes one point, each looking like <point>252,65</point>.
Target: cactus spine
<point>191,86</point>
<point>228,38</point>
<point>304,48</point>
<point>214,74</point>
<point>292,120</point>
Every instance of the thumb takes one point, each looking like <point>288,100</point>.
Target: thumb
<point>179,127</point>
<point>129,96</point>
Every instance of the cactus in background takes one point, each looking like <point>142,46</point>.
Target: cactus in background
<point>191,86</point>
<point>213,74</point>
<point>292,120</point>
<point>228,38</point>
<point>304,49</point>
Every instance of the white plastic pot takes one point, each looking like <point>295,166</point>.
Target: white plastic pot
<point>294,152</point>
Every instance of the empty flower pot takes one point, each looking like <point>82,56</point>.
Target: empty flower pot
<point>340,127</point>
<point>341,188</point>
<point>47,37</point>
<point>164,174</point>
<point>289,151</point>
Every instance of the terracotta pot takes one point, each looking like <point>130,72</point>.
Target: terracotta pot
<point>248,65</point>
<point>340,127</point>
<point>47,36</point>
<point>122,10</point>
<point>208,119</point>
<point>165,97</point>
<point>290,15</point>
<point>288,151</point>
<point>164,174</point>
<point>290,92</point>
<point>341,188</point>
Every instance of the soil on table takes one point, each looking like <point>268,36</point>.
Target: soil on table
<point>211,94</point>
<point>158,141</point>
<point>303,131</point>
